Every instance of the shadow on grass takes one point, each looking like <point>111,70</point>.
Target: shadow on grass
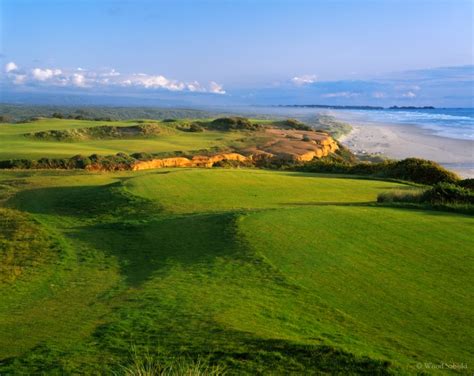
<point>240,354</point>
<point>85,202</point>
<point>145,248</point>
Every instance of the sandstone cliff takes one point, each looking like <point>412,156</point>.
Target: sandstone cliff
<point>196,161</point>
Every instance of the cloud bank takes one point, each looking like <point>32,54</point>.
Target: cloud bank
<point>82,78</point>
<point>304,79</point>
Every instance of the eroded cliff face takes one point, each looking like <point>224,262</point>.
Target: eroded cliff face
<point>291,149</point>
<point>293,145</point>
<point>196,161</point>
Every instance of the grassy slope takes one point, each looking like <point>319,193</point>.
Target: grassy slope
<point>396,291</point>
<point>251,267</point>
<point>14,144</point>
<point>197,190</point>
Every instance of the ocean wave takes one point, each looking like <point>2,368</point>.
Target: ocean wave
<point>451,123</point>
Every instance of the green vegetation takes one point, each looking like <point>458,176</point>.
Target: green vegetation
<point>292,124</point>
<point>411,169</point>
<point>233,123</point>
<point>20,113</point>
<point>63,138</point>
<point>99,132</point>
<point>248,270</point>
<point>234,271</point>
<point>443,196</point>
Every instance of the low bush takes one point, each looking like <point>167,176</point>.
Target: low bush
<point>421,171</point>
<point>411,169</point>
<point>467,183</point>
<point>233,123</point>
<point>413,196</point>
<point>293,124</point>
<point>441,196</point>
<point>195,128</point>
<point>142,156</point>
<point>445,193</point>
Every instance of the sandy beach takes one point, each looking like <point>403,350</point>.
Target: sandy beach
<point>402,141</point>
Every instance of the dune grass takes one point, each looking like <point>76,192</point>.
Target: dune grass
<point>257,272</point>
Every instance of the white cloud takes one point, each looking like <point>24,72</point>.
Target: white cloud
<point>155,82</point>
<point>80,77</point>
<point>304,80</point>
<point>45,74</point>
<point>10,67</point>
<point>194,86</point>
<point>341,94</point>
<point>409,94</point>
<point>215,88</point>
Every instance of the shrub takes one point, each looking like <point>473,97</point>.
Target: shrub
<point>439,194</point>
<point>442,193</point>
<point>58,115</point>
<point>421,171</point>
<point>79,161</point>
<point>411,169</point>
<point>401,196</point>
<point>142,156</point>
<point>293,124</point>
<point>467,183</point>
<point>18,164</point>
<point>51,163</point>
<point>195,128</point>
<point>234,123</point>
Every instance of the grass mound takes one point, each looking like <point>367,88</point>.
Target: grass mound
<point>233,123</point>
<point>98,133</point>
<point>24,246</point>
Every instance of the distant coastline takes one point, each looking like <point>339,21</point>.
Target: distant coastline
<point>343,107</point>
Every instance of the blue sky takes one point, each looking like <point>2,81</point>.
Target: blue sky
<point>241,49</point>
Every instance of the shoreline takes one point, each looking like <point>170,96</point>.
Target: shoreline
<point>403,141</point>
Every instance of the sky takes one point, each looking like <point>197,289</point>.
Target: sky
<point>347,51</point>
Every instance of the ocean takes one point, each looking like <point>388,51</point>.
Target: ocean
<point>455,123</point>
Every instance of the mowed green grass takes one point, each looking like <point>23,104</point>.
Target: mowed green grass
<point>14,144</point>
<point>203,190</point>
<point>398,279</point>
<point>263,272</point>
